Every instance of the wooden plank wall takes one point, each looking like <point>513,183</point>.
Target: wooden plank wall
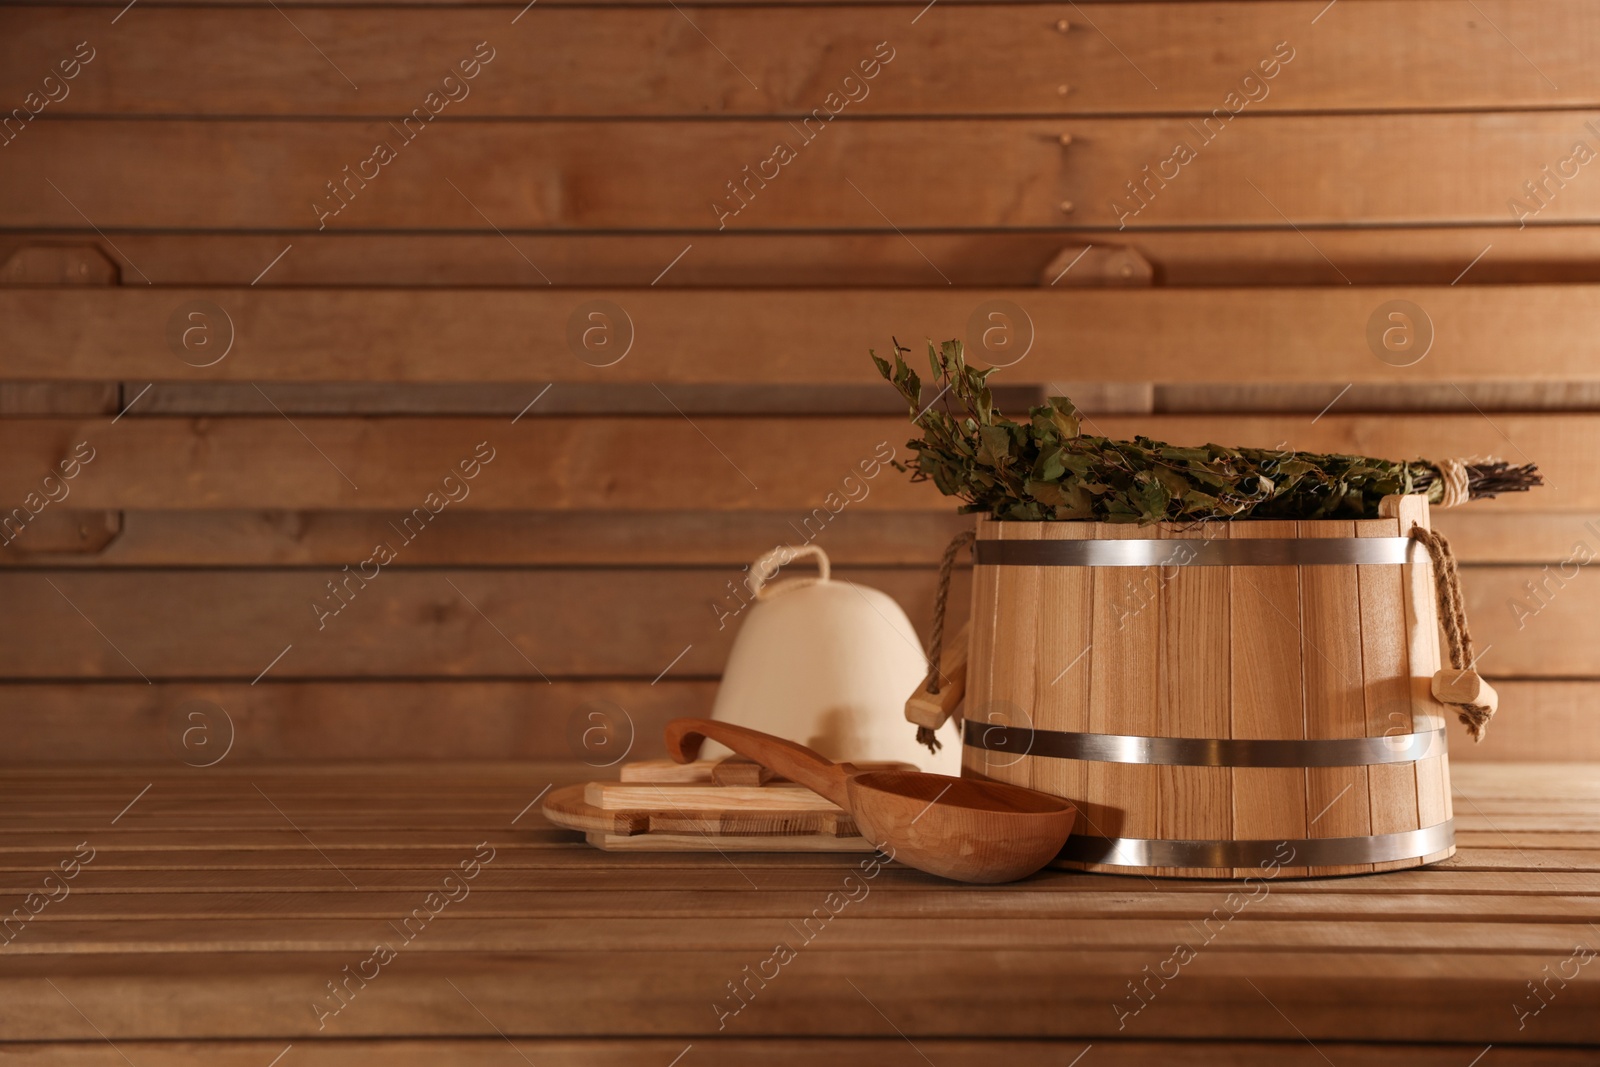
<point>269,275</point>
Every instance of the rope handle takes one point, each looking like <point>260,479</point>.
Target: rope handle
<point>936,639</point>
<point>766,568</point>
<point>929,715</point>
<point>1474,699</point>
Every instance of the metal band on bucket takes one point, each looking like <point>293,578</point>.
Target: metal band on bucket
<point>1196,552</point>
<point>1020,741</point>
<point>1314,852</point>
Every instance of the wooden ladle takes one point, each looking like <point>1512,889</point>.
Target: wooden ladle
<point>957,828</point>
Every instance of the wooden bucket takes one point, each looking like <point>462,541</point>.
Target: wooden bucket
<point>1222,700</point>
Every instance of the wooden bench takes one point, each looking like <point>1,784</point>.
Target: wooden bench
<point>209,911</point>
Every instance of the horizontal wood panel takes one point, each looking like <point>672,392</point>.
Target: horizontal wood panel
<point>1262,170</point>
<point>1554,721</point>
<point>775,1052</point>
<point>549,463</point>
<point>500,399</point>
<point>489,538</point>
<point>59,398</point>
<point>561,623</point>
<point>319,722</point>
<point>200,724</point>
<point>246,812</point>
<point>1506,538</point>
<point>255,538</point>
<point>1327,996</point>
<point>1320,335</point>
<point>560,863</point>
<point>600,935</point>
<point>1260,257</point>
<point>506,624</point>
<point>860,398</point>
<point>905,900</point>
<point>990,58</point>
<point>1403,399</point>
<point>672,464</point>
<point>507,400</point>
<point>1535,622</point>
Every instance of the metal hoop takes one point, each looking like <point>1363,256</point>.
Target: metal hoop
<point>1205,751</point>
<point>1197,552</point>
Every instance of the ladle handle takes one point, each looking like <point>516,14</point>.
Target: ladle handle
<point>795,762</point>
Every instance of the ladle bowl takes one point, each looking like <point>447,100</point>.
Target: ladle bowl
<point>957,828</point>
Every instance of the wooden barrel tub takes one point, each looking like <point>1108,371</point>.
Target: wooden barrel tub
<point>1222,700</point>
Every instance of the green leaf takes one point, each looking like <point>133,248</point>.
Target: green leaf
<point>996,445</point>
<point>1050,465</point>
<point>1064,413</point>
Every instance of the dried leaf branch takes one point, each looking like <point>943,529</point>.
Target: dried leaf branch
<point>1047,468</point>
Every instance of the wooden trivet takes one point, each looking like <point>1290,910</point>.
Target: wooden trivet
<point>729,805</point>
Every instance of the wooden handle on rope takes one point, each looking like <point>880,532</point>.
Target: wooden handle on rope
<point>931,710</point>
<point>946,681</point>
<point>1458,685</point>
<point>1464,687</point>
